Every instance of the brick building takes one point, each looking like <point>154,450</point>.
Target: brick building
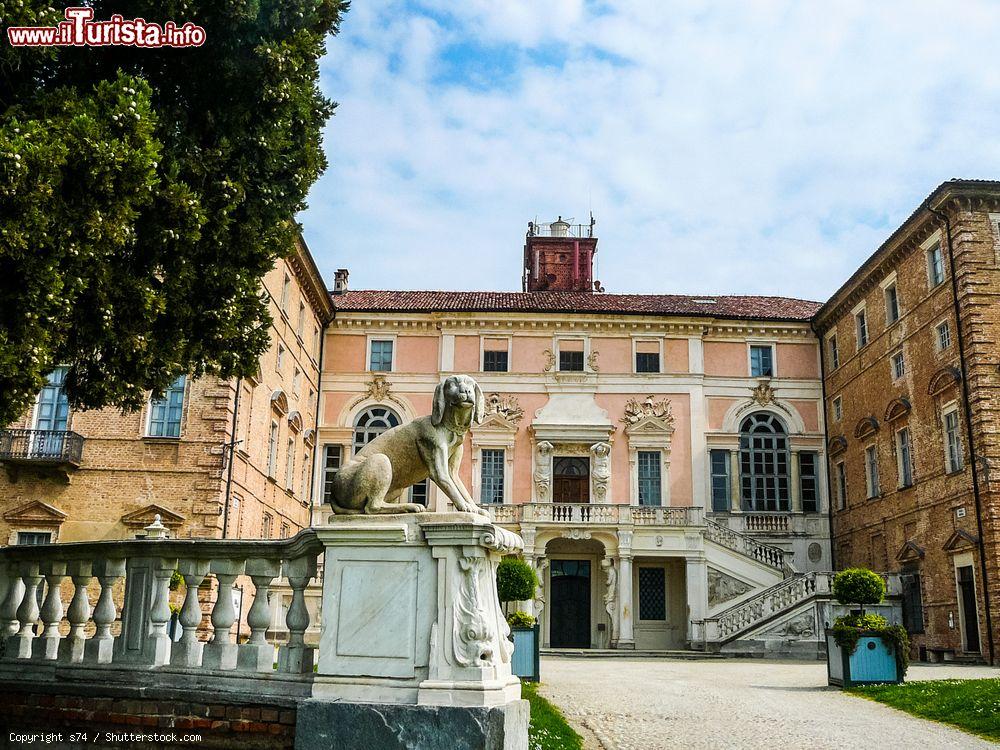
<point>73,476</point>
<point>911,346</point>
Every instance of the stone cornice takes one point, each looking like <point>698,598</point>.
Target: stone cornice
<point>310,280</point>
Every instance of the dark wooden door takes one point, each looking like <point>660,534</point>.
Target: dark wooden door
<point>967,590</point>
<point>570,480</point>
<point>569,592</point>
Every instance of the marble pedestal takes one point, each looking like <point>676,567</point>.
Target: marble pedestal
<point>411,618</point>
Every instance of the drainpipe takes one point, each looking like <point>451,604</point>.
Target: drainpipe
<point>967,408</point>
<point>826,452</point>
<point>231,447</point>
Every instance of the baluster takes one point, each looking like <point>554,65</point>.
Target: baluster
<point>47,645</point>
<point>99,648</point>
<point>19,646</point>
<point>221,652</point>
<point>296,657</point>
<point>158,643</point>
<point>9,624</point>
<point>187,652</point>
<point>257,655</point>
<point>72,647</point>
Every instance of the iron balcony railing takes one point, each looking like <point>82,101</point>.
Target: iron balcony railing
<point>41,446</point>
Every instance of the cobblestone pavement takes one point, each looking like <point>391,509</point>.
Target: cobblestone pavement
<point>649,704</point>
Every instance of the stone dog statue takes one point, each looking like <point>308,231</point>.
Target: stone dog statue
<point>372,481</point>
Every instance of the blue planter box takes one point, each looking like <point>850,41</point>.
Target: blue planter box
<point>873,662</point>
<point>524,663</point>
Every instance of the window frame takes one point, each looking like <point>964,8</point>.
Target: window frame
<point>328,471</point>
<point>286,294</point>
<point>496,353</point>
<point>657,461</point>
<point>583,362</point>
<point>639,371</point>
<point>389,415</point>
<point>939,344</point>
<point>837,402</point>
<point>391,339</point>
<point>862,332</point>
<point>873,482</point>
<point>273,438</point>
<point>930,249</point>
<point>834,349</point>
<point>151,405</point>
<point>498,479</point>
<point>483,350</point>
<point>727,475</point>
<point>893,310</point>
<point>814,476</point>
<point>557,349</point>
<point>897,365</point>
<point>953,462</point>
<point>774,448</point>
<point>840,472</point>
<point>290,464</point>
<point>904,459</point>
<point>751,345</point>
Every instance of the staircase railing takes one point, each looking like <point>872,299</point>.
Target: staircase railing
<point>746,545</point>
<point>730,623</point>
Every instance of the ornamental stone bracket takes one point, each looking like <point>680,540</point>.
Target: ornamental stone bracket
<point>379,388</point>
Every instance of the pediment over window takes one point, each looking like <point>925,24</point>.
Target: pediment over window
<point>279,402</point>
<point>897,408</point>
<point>866,427</point>
<point>295,420</point>
<point>309,436</point>
<point>910,552</point>
<point>943,379</point>
<point>838,444</point>
<point>960,540</point>
<point>494,422</point>
<point>140,519</point>
<point>652,426</point>
<point>34,513</point>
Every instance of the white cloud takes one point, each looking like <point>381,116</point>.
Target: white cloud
<point>762,147</point>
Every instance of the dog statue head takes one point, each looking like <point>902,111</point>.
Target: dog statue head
<point>462,396</point>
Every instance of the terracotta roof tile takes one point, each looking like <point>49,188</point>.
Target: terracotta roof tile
<point>732,307</point>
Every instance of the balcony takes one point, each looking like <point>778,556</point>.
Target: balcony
<point>57,450</point>
<point>595,514</point>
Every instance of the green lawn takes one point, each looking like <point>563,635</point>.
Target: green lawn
<point>972,705</point>
<point>548,729</point>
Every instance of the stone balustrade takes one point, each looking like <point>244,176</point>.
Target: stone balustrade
<point>132,632</point>
<point>722,535</point>
<point>594,513</point>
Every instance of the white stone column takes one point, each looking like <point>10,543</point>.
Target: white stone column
<point>734,480</point>
<point>794,484</point>
<point>626,634</point>
<point>47,646</point>
<point>696,584</point>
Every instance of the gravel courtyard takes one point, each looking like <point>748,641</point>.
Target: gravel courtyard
<point>649,704</point>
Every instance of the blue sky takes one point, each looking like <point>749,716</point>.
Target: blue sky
<point>759,147</point>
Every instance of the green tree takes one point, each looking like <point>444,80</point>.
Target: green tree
<point>858,586</point>
<point>516,580</point>
<point>144,193</point>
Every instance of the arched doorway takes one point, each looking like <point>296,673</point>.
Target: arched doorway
<point>570,480</point>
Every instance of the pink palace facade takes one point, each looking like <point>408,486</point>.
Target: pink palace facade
<point>661,455</point>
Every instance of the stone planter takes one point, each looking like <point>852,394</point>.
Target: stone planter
<point>524,662</point>
<point>873,661</point>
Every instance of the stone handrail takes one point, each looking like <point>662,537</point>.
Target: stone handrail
<point>746,545</point>
<point>761,607</point>
<point>656,515</point>
<point>147,565</point>
<point>769,522</point>
<point>593,513</point>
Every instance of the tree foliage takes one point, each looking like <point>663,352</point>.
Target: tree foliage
<point>858,586</point>
<point>516,580</point>
<point>144,193</point>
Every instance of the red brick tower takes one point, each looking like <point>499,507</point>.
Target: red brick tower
<point>559,257</point>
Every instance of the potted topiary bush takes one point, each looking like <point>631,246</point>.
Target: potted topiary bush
<point>516,582</point>
<point>863,649</point>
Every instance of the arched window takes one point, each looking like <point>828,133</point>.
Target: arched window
<point>763,463</point>
<point>371,423</point>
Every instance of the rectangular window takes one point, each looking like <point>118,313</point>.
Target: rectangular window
<point>570,361</point>
<point>418,493</point>
<point>647,362</point>
<point>495,360</point>
<point>649,477</point>
<point>891,304</point>
<point>286,289</point>
<point>953,442</point>
<point>898,366</point>
<point>935,265</point>
<point>943,335</point>
<point>265,526</point>
<point>761,362</point>
<point>722,501</point>
<point>296,382</point>
<point>381,357</point>
<point>492,475</point>
<point>34,537</point>
<point>838,408</point>
<point>290,465</point>
<point>871,471</point>
<point>331,465</point>
<point>861,326</point>
<point>904,458</point>
<point>913,603</point>
<point>283,532</point>
<point>279,361</point>
<point>306,465</point>
<point>808,481</point>
<point>302,321</point>
<point>834,353</point>
<point>165,413</point>
<point>841,486</point>
<point>272,450</point>
<point>652,594</point>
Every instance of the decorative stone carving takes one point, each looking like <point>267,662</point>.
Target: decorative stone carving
<point>471,636</point>
<point>540,566</point>
<point>763,394</point>
<point>543,471</point>
<point>550,361</point>
<point>506,407</point>
<point>379,388</point>
<point>636,411</point>
<point>798,628</point>
<point>610,594</point>
<point>723,587</point>
<point>575,534</point>
<point>592,361</point>
<point>600,470</point>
